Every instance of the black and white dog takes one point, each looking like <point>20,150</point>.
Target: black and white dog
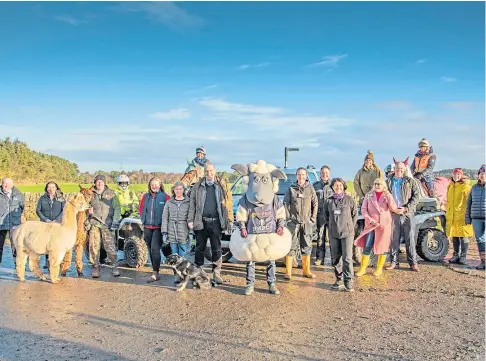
<point>186,271</point>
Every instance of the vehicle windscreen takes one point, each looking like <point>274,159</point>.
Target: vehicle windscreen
<point>284,185</point>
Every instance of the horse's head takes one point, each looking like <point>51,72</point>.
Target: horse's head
<point>190,178</point>
<point>86,192</point>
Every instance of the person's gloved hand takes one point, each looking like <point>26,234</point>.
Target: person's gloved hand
<point>87,226</point>
<point>165,241</point>
<point>280,231</point>
<point>244,233</point>
<point>114,226</point>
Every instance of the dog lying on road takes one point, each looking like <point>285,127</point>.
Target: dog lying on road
<point>187,271</point>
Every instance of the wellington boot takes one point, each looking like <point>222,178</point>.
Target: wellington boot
<point>379,265</point>
<point>482,265</point>
<point>288,267</point>
<point>365,261</point>
<point>306,267</point>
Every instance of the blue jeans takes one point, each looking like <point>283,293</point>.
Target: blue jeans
<point>479,227</point>
<point>179,248</point>
<point>271,270</point>
<point>369,243</point>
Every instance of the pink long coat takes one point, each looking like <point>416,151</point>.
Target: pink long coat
<point>379,210</point>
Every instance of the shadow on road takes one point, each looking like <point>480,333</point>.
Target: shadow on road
<point>27,346</point>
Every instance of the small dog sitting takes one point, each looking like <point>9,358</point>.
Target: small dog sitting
<point>185,271</point>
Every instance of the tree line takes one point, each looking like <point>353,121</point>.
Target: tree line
<point>24,165</point>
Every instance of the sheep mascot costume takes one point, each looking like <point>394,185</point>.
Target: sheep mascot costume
<point>261,217</point>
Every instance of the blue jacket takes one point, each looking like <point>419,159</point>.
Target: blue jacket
<point>476,203</point>
<point>50,210</point>
<point>11,209</point>
<point>152,209</point>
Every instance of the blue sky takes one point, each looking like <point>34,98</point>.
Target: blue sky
<point>140,85</point>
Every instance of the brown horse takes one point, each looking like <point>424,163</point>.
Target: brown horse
<point>189,178</point>
<point>81,238</point>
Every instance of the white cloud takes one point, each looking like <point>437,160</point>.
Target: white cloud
<point>448,79</point>
<point>70,20</point>
<point>172,114</point>
<point>331,60</point>
<point>223,106</point>
<point>421,61</point>
<point>164,12</point>
<point>259,65</point>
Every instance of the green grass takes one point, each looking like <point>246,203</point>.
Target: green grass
<point>73,187</point>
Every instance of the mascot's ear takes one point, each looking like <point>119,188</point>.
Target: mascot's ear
<point>279,174</point>
<point>240,168</point>
<point>406,161</point>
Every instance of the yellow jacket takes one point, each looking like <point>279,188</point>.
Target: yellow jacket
<point>457,193</point>
<point>128,201</point>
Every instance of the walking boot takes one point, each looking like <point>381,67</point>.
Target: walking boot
<point>393,266</point>
<point>455,257</point>
<point>306,267</point>
<point>217,280</point>
<point>273,289</point>
<point>288,267</point>
<point>464,249</point>
<point>379,265</point>
<point>96,272</point>
<point>115,272</point>
<point>481,266</point>
<point>249,289</point>
<point>365,261</point>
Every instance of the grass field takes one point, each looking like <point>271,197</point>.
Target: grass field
<point>73,187</point>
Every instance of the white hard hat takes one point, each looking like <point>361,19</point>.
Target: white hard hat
<point>123,178</point>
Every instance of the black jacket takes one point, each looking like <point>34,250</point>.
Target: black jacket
<point>341,216</point>
<point>323,191</point>
<point>51,210</point>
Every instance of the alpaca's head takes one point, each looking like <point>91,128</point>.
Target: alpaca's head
<point>79,201</point>
<point>86,192</point>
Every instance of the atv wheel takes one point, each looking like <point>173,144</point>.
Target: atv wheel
<point>136,252</point>
<point>432,244</point>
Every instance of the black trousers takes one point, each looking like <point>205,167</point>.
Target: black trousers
<point>213,231</point>
<point>322,239</point>
<point>3,237</point>
<point>153,238</point>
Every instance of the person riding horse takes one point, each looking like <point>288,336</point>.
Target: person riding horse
<point>198,162</point>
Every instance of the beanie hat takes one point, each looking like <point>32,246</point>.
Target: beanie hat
<point>458,171</point>
<point>100,177</point>
<point>201,149</point>
<point>370,155</point>
<point>424,143</point>
<point>482,169</point>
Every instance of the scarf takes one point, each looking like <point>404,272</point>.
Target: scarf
<point>201,162</point>
<point>338,196</point>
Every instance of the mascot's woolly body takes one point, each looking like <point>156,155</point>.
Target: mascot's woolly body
<point>261,212</point>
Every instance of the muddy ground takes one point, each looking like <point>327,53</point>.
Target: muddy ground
<point>437,314</point>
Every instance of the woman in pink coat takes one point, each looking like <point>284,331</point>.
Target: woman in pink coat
<point>376,235</point>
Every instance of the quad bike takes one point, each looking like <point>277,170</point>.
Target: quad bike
<point>432,243</point>
<point>129,239</point>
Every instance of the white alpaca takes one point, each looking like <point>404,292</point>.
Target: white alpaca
<point>34,238</point>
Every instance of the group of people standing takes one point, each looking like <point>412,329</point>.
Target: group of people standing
<point>387,203</point>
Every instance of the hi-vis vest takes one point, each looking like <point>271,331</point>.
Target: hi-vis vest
<point>421,163</point>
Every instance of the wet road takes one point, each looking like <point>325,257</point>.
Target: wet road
<point>437,314</point>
